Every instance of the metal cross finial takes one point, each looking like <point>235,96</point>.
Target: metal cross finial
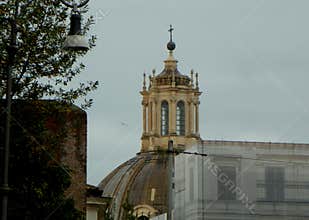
<point>171,32</point>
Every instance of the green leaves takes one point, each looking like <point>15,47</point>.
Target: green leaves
<point>42,68</point>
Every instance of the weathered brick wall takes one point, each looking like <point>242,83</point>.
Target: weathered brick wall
<point>68,123</point>
<point>74,155</point>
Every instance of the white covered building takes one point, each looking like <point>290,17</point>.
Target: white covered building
<point>243,180</point>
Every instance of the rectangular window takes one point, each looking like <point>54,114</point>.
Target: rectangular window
<point>226,182</point>
<point>164,118</point>
<point>274,183</point>
<point>180,118</point>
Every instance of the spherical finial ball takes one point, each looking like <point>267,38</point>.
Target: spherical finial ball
<point>171,45</point>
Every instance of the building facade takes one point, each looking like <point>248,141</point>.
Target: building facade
<point>243,180</point>
<point>97,206</point>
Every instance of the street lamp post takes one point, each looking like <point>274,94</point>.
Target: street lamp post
<point>11,50</point>
<point>74,41</point>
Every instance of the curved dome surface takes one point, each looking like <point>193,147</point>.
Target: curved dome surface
<point>142,182</point>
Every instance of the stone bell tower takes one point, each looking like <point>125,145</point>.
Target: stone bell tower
<point>170,106</point>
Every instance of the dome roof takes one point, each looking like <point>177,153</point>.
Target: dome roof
<point>166,78</point>
<point>142,181</point>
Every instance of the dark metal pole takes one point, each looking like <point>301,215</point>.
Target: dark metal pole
<point>5,184</point>
<point>170,180</point>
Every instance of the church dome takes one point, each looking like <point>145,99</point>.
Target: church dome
<point>142,182</point>
<point>170,115</point>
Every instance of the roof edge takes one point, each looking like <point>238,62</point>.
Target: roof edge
<point>253,143</point>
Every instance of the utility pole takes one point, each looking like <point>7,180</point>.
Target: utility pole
<point>170,180</point>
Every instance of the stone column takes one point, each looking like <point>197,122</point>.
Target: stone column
<point>187,119</point>
<point>150,117</point>
<point>197,118</point>
<point>154,117</point>
<point>172,114</point>
<point>158,109</point>
<point>144,118</point>
<point>191,108</point>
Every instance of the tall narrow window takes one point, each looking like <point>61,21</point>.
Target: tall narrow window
<point>180,118</point>
<point>274,183</point>
<point>164,118</point>
<point>226,183</point>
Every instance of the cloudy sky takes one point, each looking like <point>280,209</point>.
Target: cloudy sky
<point>252,56</point>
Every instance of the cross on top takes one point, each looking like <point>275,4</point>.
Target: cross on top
<point>171,32</point>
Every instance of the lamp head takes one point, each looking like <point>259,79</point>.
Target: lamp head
<point>75,40</point>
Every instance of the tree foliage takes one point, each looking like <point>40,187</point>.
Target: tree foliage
<point>128,210</point>
<point>42,69</point>
<point>37,178</point>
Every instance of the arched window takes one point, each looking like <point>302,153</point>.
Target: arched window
<point>164,118</point>
<point>180,118</point>
<point>143,218</point>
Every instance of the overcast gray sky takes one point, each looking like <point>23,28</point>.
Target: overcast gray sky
<point>252,56</point>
